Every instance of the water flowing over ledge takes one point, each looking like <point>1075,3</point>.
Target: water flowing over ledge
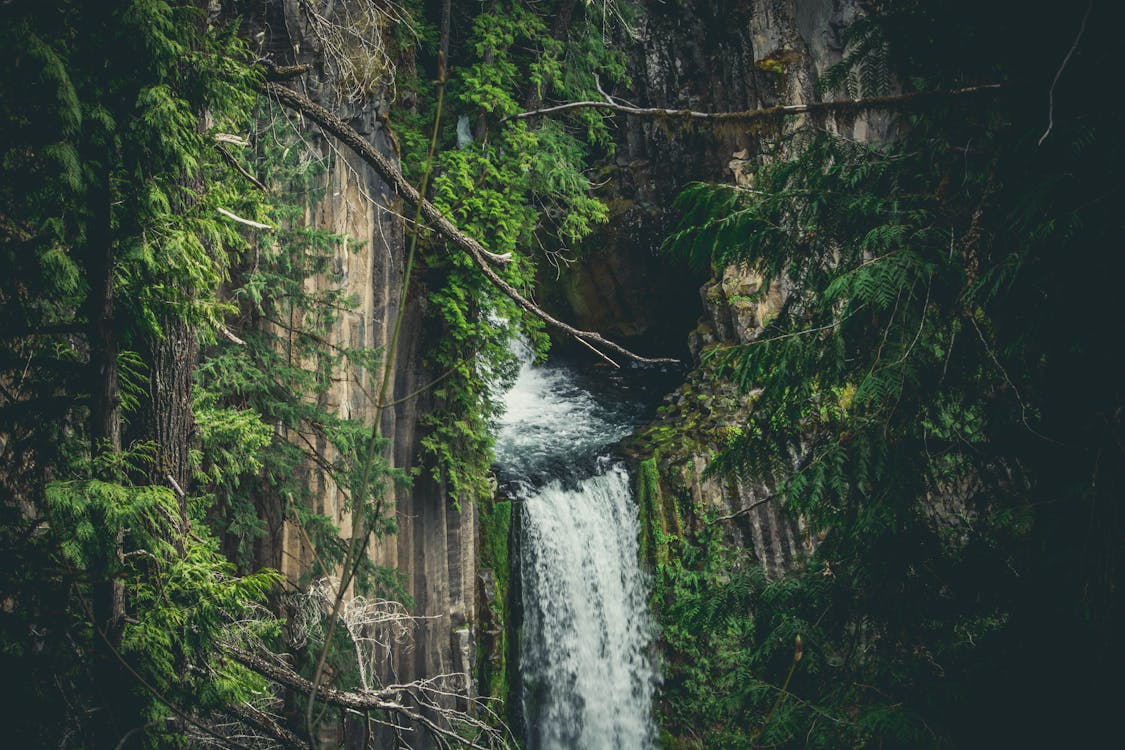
<point>587,673</point>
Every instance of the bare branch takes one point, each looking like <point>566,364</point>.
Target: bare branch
<point>240,220</point>
<point>229,159</point>
<point>768,113</point>
<point>284,72</point>
<point>481,257</point>
<point>1058,73</point>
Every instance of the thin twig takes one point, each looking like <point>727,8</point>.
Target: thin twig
<point>1015,390</point>
<point>1058,73</point>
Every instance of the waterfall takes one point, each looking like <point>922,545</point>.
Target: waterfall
<point>587,675</point>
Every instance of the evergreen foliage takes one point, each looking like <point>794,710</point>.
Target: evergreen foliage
<point>109,185</point>
<point>938,403</point>
<point>261,404</point>
<point>123,225</point>
<point>522,186</point>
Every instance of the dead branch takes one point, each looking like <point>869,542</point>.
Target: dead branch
<point>481,257</point>
<point>284,72</point>
<point>234,140</point>
<point>768,113</point>
<point>229,335</point>
<point>389,699</point>
<point>235,217</point>
<point>229,159</point>
<point>747,509</point>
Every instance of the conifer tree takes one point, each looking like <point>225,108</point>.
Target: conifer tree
<point>921,402</point>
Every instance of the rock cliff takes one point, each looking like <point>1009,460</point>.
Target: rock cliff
<point>709,55</point>
<point>705,54</point>
<point>434,547</point>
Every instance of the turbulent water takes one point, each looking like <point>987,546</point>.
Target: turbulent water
<point>587,675</point>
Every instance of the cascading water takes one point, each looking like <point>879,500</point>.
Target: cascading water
<point>587,675</point>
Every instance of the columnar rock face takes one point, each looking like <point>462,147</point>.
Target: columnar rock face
<point>700,54</point>
<point>717,55</point>
<point>434,547</point>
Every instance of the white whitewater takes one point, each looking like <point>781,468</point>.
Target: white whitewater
<point>588,679</point>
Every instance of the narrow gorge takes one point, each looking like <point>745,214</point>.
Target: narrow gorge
<point>560,374</point>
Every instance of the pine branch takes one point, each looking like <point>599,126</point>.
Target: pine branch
<point>769,113</point>
<point>479,255</point>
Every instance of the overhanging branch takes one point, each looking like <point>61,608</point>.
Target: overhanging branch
<point>768,113</point>
<point>481,257</point>
<point>360,145</point>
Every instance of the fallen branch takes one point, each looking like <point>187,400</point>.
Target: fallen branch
<point>388,699</point>
<point>768,113</point>
<point>480,256</point>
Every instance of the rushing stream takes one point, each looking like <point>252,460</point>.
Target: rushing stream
<point>585,666</point>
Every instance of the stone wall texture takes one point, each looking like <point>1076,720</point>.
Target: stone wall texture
<point>434,547</point>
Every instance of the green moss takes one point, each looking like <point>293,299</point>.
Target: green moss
<point>659,517</point>
<point>494,528</point>
<point>495,519</point>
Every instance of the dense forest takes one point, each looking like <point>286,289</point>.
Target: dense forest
<point>269,267</point>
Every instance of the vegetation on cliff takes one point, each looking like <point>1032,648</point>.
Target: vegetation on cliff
<point>936,400</point>
<point>167,370</point>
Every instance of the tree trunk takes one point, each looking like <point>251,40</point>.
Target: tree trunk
<point>105,412</point>
<point>108,591</point>
<point>166,416</point>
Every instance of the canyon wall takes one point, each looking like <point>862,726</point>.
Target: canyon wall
<point>433,549</point>
<point>712,56</point>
